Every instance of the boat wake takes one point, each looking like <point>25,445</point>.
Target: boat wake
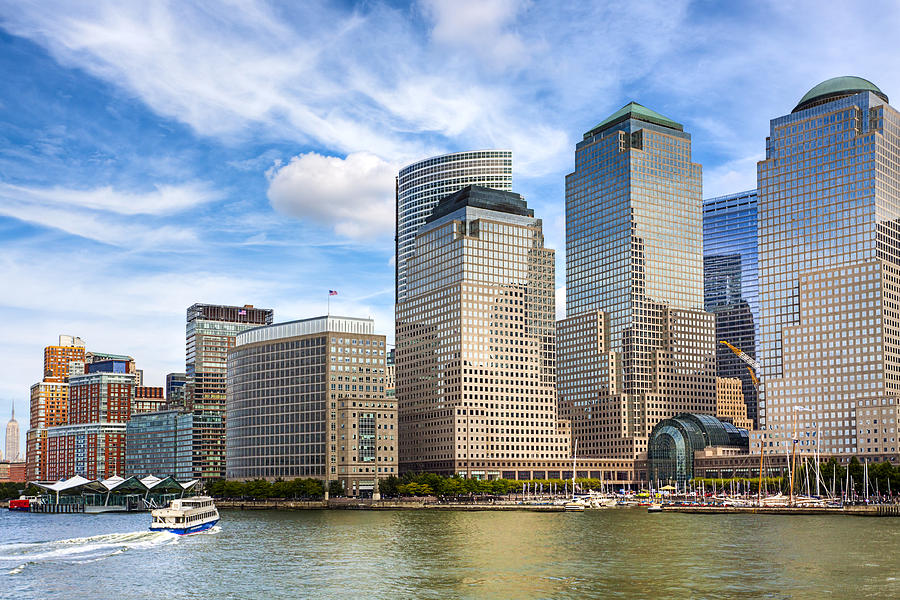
<point>81,550</point>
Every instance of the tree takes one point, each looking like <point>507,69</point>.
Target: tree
<point>335,488</point>
<point>388,486</point>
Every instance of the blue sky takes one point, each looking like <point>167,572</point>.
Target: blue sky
<point>156,154</point>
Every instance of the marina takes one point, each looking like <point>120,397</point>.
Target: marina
<point>454,554</point>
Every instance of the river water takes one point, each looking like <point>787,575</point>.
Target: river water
<point>616,553</point>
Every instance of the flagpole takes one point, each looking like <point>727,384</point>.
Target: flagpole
<point>328,312</point>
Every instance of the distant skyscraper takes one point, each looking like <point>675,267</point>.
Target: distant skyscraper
<point>12,438</point>
<point>829,273</point>
<point>422,184</point>
<point>307,399</point>
<point>475,359</point>
<point>636,346</point>
<point>210,333</point>
<point>730,283</point>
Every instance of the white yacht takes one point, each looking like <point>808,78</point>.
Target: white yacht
<point>186,515</point>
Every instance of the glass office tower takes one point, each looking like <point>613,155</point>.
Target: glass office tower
<point>422,184</point>
<point>829,273</point>
<point>730,283</point>
<point>636,346</point>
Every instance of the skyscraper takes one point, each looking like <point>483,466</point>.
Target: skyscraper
<point>12,438</point>
<point>307,399</point>
<point>730,283</point>
<point>636,346</point>
<point>210,333</point>
<point>475,355</point>
<point>829,269</point>
<point>422,184</point>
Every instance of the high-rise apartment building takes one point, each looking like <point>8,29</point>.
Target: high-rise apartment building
<point>307,399</point>
<point>475,355</point>
<point>92,442</point>
<point>636,346</point>
<point>210,334</point>
<point>12,438</point>
<point>829,273</point>
<point>57,358</point>
<point>730,284</point>
<point>50,401</point>
<point>422,184</point>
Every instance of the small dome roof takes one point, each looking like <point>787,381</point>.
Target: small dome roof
<point>837,87</point>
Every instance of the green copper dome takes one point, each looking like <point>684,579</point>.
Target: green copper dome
<point>633,110</point>
<point>837,87</point>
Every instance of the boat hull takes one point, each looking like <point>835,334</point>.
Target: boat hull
<point>187,530</point>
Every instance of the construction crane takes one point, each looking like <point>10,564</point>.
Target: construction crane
<point>753,366</point>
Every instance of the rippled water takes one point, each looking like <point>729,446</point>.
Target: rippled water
<point>624,553</point>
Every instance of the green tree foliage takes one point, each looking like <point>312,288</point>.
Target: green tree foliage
<point>335,488</point>
<point>389,486</point>
<point>260,489</point>
<point>11,491</point>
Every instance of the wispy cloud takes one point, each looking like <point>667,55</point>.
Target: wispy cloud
<point>107,215</point>
<point>162,200</point>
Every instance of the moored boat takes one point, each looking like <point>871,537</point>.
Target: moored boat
<point>186,515</point>
<point>24,503</point>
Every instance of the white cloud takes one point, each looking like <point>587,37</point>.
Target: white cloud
<point>353,195</point>
<point>731,177</point>
<point>480,26</point>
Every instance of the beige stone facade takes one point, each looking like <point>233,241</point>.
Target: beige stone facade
<point>307,399</point>
<point>730,404</point>
<point>475,356</point>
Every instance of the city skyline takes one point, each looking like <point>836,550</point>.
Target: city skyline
<point>103,236</point>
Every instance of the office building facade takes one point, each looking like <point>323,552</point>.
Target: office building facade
<point>307,399</point>
<point>731,284</point>
<point>829,269</point>
<point>422,184</point>
<point>475,355</point>
<point>159,443</point>
<point>210,334</point>
<point>636,345</point>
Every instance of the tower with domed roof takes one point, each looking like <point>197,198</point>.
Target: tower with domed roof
<point>829,274</point>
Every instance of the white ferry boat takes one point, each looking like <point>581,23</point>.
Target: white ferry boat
<point>186,515</point>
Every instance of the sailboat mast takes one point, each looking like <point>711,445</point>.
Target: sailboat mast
<point>574,459</point>
<point>793,455</point>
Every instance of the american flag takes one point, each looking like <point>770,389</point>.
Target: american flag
<point>242,312</point>
<point>332,292</point>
